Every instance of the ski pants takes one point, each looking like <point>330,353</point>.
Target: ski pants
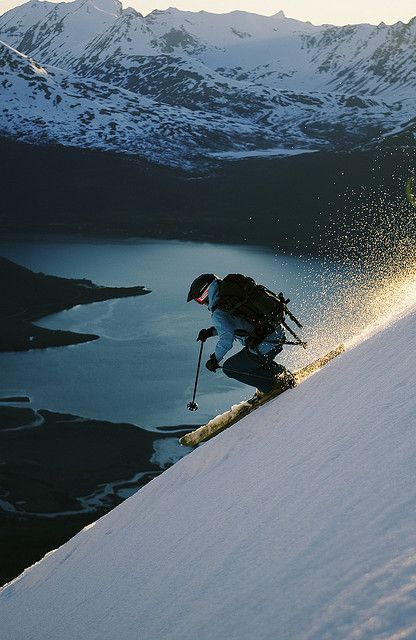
<point>252,369</point>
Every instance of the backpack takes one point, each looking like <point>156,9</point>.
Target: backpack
<point>241,296</point>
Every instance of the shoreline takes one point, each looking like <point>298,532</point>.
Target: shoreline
<point>109,237</point>
<point>60,472</point>
<point>28,296</point>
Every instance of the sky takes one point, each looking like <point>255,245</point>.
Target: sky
<point>316,11</point>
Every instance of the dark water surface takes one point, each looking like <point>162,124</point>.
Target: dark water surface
<point>142,369</point>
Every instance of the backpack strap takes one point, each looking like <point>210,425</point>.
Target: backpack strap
<point>299,341</point>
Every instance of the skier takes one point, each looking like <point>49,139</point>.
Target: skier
<point>254,365</point>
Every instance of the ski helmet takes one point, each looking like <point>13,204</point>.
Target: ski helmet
<point>199,285</point>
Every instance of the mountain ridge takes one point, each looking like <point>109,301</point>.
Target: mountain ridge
<point>282,82</point>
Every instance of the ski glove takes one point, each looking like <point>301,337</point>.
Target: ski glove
<point>212,363</point>
<point>204,334</point>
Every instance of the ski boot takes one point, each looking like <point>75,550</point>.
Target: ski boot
<point>256,398</point>
<point>284,380</point>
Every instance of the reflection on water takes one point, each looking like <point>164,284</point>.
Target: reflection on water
<point>142,370</point>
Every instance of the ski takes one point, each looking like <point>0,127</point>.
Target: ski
<point>238,411</point>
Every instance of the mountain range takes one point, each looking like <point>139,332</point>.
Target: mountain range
<point>180,87</point>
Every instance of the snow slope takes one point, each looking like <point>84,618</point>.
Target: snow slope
<point>296,524</point>
<point>48,105</point>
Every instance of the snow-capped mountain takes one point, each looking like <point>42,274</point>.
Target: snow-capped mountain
<point>66,26</point>
<point>266,81</point>
<point>275,51</point>
<point>52,106</point>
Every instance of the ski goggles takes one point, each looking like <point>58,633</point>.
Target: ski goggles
<point>202,298</point>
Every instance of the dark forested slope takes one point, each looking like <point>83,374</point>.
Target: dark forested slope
<point>295,203</point>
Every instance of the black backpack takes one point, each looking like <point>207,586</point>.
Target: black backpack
<point>241,296</point>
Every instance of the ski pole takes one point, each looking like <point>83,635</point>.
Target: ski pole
<point>192,406</point>
<point>285,301</point>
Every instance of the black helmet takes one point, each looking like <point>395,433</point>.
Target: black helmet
<point>199,285</point>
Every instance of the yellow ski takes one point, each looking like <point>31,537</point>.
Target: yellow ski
<point>238,411</point>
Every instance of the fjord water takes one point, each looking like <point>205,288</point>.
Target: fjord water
<point>142,369</point>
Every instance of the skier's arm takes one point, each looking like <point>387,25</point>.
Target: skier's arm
<point>225,333</point>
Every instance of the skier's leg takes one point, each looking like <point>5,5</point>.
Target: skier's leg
<point>283,377</point>
<point>249,368</point>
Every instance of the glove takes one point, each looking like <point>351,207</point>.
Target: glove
<point>212,363</point>
<point>204,334</point>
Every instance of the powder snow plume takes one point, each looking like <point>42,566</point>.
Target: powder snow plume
<point>369,282</point>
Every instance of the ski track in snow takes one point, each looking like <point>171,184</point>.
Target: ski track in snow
<point>298,522</point>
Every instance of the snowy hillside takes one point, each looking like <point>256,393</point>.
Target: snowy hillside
<point>282,82</point>
<point>296,523</point>
<point>51,106</point>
